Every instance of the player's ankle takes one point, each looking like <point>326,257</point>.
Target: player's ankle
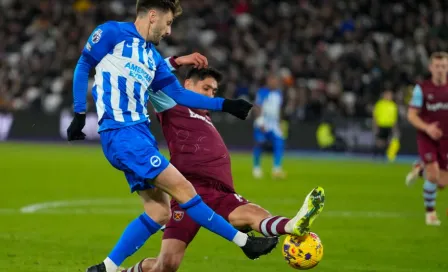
<point>289,227</point>
<point>110,265</point>
<point>240,239</point>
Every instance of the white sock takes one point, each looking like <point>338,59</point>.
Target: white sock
<point>110,265</point>
<point>240,239</point>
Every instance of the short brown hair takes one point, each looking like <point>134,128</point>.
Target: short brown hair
<point>144,6</point>
<point>200,74</point>
<point>439,55</point>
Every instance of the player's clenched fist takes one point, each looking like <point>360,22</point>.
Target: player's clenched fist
<point>237,107</point>
<point>74,131</point>
<point>434,131</point>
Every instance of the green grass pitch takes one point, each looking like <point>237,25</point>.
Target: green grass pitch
<point>63,207</point>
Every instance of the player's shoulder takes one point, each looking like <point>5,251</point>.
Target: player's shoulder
<point>177,110</point>
<point>424,84</point>
<point>109,26</point>
<point>119,30</point>
<point>109,31</point>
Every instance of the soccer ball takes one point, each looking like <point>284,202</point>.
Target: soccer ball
<point>303,252</point>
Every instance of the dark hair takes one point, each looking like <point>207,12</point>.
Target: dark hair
<point>144,6</point>
<point>201,74</point>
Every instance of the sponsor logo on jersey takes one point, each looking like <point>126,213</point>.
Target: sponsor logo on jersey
<point>197,116</point>
<point>138,73</point>
<point>436,106</point>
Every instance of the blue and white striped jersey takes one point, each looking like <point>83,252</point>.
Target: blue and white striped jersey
<point>129,73</point>
<point>270,102</point>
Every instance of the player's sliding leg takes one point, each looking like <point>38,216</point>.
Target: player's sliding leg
<point>279,146</point>
<point>240,214</point>
<point>263,222</point>
<point>157,213</point>
<point>172,182</point>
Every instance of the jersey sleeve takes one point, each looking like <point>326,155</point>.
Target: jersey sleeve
<point>417,97</point>
<point>171,63</point>
<point>101,41</point>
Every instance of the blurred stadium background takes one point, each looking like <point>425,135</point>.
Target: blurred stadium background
<point>335,59</point>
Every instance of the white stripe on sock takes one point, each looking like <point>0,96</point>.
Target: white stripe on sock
<point>274,225</point>
<point>263,227</point>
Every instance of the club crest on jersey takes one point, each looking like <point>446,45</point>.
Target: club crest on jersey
<point>96,36</point>
<point>178,215</point>
<point>155,161</point>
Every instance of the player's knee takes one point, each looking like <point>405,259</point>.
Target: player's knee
<point>184,192</point>
<point>160,214</point>
<point>432,175</point>
<point>171,262</point>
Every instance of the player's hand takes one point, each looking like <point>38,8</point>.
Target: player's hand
<point>434,131</point>
<point>74,131</point>
<point>237,107</point>
<point>195,59</point>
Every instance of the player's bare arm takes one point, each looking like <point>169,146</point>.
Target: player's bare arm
<point>196,60</point>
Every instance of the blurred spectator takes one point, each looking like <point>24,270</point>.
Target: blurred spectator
<point>334,56</point>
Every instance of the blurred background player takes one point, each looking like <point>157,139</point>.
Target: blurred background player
<point>200,154</point>
<point>428,113</point>
<point>385,117</point>
<point>269,100</point>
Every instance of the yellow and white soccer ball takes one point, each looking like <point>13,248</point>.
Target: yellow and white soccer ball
<point>303,252</point>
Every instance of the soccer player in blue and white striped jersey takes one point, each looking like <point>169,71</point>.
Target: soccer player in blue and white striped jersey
<point>129,73</point>
<point>267,126</point>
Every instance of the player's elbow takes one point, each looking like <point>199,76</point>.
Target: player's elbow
<point>411,115</point>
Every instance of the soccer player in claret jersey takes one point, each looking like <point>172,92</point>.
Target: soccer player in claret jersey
<point>428,113</point>
<point>199,153</point>
<point>127,67</point>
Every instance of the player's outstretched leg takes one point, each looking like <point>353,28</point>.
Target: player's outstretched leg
<point>172,182</point>
<point>311,208</point>
<point>260,220</point>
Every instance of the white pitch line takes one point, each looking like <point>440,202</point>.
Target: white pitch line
<point>73,203</point>
<point>109,206</point>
